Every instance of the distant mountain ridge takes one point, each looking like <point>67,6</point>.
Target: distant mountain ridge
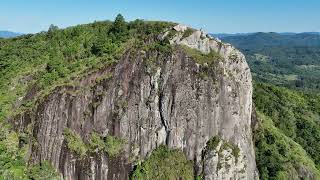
<point>286,59</point>
<point>224,35</point>
<point>9,34</point>
<point>260,39</point>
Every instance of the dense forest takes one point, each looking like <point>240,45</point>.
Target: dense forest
<point>285,60</point>
<point>288,132</point>
<point>286,70</point>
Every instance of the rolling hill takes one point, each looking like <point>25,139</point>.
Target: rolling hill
<point>291,60</point>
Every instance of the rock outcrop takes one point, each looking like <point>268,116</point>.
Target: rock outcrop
<point>149,99</point>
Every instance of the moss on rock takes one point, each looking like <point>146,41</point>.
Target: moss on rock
<point>164,163</point>
<point>75,143</point>
<point>114,145</point>
<point>187,33</point>
<point>202,58</point>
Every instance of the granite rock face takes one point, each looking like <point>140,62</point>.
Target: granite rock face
<point>149,99</point>
<point>238,115</point>
<point>224,162</point>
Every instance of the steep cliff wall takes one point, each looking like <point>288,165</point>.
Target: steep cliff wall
<point>150,99</point>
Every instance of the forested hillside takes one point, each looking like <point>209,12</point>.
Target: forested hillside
<point>286,70</point>
<point>286,60</point>
<point>288,132</point>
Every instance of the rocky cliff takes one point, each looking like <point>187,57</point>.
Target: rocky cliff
<point>146,100</point>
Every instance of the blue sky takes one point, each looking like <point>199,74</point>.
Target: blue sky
<point>217,16</point>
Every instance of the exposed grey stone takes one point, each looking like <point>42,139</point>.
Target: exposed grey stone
<point>221,163</point>
<point>164,103</point>
<point>180,28</point>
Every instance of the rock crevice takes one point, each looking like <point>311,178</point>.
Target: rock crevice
<point>148,104</point>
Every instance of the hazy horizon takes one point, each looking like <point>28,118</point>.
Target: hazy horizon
<point>229,17</point>
<point>214,33</point>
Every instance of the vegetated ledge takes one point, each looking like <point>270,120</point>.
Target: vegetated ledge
<point>97,144</point>
<point>214,142</point>
<point>164,163</point>
<point>217,146</point>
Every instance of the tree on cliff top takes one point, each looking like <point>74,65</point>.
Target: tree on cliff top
<point>119,25</point>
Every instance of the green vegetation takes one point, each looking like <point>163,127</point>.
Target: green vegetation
<point>293,67</point>
<point>165,164</point>
<point>287,139</point>
<point>289,133</point>
<point>39,63</point>
<point>114,145</point>
<point>97,144</point>
<point>187,33</point>
<point>278,156</point>
<point>42,172</point>
<point>110,144</point>
<point>213,143</point>
<point>296,114</point>
<point>285,60</point>
<point>235,151</point>
<point>202,58</point>
<point>75,143</point>
<point>12,159</point>
<point>63,56</point>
